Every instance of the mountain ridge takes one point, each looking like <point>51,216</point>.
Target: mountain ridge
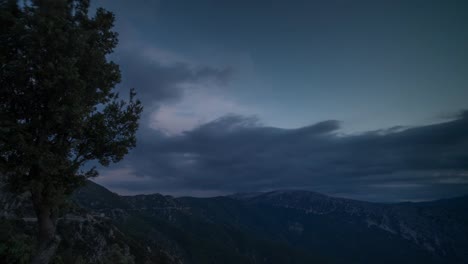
<point>408,222</point>
<point>283,226</point>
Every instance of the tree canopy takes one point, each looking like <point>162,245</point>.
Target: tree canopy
<point>58,104</point>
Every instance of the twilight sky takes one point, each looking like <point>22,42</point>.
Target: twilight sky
<point>358,99</point>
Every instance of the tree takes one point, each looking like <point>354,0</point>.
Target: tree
<point>58,106</point>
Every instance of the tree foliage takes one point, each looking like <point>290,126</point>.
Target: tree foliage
<point>58,106</point>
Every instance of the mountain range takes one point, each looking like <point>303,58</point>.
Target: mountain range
<point>288,226</point>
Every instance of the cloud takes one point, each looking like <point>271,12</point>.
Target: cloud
<point>182,151</point>
<point>237,153</point>
<point>197,106</point>
<point>160,79</point>
<point>144,12</point>
<point>177,93</point>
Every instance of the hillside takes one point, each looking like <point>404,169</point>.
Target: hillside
<point>273,227</point>
<point>304,226</point>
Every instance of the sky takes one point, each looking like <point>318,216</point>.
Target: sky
<point>356,99</point>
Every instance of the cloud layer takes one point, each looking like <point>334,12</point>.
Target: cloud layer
<point>177,93</point>
<point>194,62</point>
<point>238,154</point>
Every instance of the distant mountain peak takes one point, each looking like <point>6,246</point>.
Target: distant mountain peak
<point>277,193</point>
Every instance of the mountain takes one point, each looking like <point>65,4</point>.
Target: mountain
<point>86,236</point>
<point>272,227</point>
<point>289,227</point>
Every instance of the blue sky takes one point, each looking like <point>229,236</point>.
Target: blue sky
<point>370,65</point>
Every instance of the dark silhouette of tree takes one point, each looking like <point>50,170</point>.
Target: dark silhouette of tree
<point>58,107</point>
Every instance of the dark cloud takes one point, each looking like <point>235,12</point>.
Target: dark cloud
<point>143,12</point>
<point>157,82</point>
<point>236,153</point>
<point>156,74</point>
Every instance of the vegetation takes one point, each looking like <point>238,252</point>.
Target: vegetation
<point>86,243</point>
<point>58,107</point>
<point>118,256</point>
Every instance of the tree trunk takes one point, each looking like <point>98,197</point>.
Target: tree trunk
<point>48,241</point>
